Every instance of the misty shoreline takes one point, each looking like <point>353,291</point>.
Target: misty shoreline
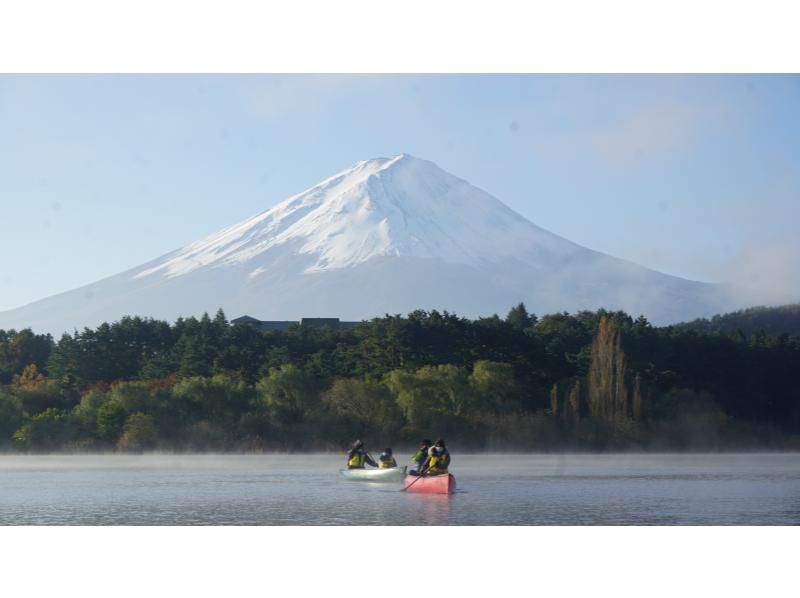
<point>468,453</point>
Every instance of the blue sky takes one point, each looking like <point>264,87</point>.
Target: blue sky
<point>697,176</point>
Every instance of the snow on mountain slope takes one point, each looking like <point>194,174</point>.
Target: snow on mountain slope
<point>384,236</point>
<point>401,206</point>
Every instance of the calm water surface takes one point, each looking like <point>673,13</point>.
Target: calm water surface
<point>753,489</point>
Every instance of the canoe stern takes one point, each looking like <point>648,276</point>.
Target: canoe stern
<point>437,484</point>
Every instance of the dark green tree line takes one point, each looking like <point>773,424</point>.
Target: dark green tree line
<point>591,379</point>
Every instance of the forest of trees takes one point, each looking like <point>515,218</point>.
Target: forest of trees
<point>771,320</point>
<point>585,381</point>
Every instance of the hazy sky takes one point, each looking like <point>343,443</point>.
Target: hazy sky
<point>696,176</point>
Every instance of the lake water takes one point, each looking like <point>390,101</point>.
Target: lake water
<point>752,489</point>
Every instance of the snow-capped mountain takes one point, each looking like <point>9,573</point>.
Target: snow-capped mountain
<point>384,236</point>
<point>399,207</point>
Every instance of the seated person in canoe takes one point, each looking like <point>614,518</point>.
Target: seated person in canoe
<point>386,460</point>
<point>421,456</point>
<point>438,459</point>
<point>357,456</point>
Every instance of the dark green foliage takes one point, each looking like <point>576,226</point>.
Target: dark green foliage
<point>110,421</point>
<point>431,394</point>
<point>288,394</point>
<point>139,433</point>
<point>495,388</point>
<point>773,321</point>
<point>519,318</point>
<point>518,382</point>
<point>49,430</point>
<point>117,351</point>
<point>11,416</point>
<point>21,349</point>
<point>366,408</point>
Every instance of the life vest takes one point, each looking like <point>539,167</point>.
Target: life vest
<point>439,462</point>
<point>420,456</point>
<point>356,460</point>
<point>386,462</point>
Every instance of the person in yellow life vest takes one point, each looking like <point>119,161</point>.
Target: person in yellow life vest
<point>438,459</point>
<point>357,456</point>
<point>386,460</point>
<point>421,456</point>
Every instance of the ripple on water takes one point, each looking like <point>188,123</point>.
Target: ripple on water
<point>493,490</point>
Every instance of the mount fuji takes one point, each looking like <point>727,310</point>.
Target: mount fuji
<point>387,235</point>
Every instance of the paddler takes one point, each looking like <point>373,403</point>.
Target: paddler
<point>358,455</point>
<point>386,460</point>
<point>438,459</point>
<point>421,456</point>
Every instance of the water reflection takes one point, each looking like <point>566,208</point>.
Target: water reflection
<point>433,509</point>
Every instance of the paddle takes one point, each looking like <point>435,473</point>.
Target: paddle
<point>420,475</point>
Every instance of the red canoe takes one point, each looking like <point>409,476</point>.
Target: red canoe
<point>431,484</point>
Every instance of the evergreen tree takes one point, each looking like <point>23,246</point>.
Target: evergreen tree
<point>518,318</point>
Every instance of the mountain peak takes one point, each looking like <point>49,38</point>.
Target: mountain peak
<point>363,169</point>
<point>399,206</point>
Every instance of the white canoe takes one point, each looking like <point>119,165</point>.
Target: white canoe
<point>393,474</point>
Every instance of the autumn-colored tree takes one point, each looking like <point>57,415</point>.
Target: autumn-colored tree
<point>607,390</point>
<point>573,404</point>
<point>19,349</point>
<point>30,378</point>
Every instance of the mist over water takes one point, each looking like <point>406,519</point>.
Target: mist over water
<point>629,489</point>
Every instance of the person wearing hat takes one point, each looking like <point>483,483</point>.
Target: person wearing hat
<point>438,459</point>
<point>420,456</point>
<point>386,460</point>
<point>358,455</point>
